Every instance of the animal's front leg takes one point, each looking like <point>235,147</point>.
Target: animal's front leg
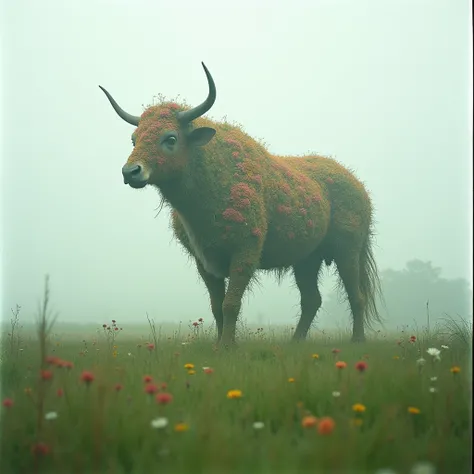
<point>242,269</point>
<point>216,288</point>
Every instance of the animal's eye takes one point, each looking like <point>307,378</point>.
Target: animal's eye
<point>171,141</point>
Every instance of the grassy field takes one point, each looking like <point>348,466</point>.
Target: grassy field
<point>112,402</point>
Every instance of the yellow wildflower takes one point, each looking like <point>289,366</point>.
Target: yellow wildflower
<point>414,410</point>
<point>455,369</point>
<point>234,394</point>
<point>291,380</point>
<point>189,366</point>
<point>315,356</point>
<point>358,408</point>
<point>180,427</point>
<point>191,372</point>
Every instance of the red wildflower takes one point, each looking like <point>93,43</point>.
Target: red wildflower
<point>412,338</point>
<point>361,366</point>
<point>164,398</point>
<point>52,360</point>
<point>147,378</point>
<point>151,388</point>
<point>150,346</point>
<point>87,377</point>
<point>208,370</point>
<point>46,374</point>
<point>8,402</point>
<point>40,449</point>
<point>60,392</point>
<point>336,351</point>
<point>118,387</point>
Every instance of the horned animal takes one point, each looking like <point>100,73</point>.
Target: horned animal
<point>237,209</point>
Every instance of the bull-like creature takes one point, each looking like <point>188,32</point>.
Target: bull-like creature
<point>237,209</point>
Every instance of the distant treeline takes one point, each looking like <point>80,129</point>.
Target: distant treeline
<point>406,293</point>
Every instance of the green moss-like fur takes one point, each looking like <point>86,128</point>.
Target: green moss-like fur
<point>236,208</point>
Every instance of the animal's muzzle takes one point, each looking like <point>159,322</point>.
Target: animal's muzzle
<point>133,175</point>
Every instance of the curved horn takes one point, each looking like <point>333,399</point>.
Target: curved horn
<point>132,119</point>
<point>189,115</point>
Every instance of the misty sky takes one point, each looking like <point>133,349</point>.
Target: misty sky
<point>383,86</point>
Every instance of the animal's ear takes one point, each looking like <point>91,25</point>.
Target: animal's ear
<point>201,136</point>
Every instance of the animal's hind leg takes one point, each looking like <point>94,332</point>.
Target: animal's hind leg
<point>306,277</point>
<point>216,288</point>
<point>348,266</point>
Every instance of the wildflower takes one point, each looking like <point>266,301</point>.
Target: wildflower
<point>52,360</point>
<point>189,366</point>
<point>309,421</point>
<point>385,471</point>
<point>52,415</point>
<point>40,449</point>
<point>336,351</point>
<point>151,388</point>
<point>59,392</point>
<point>336,394</point>
<point>258,425</point>
<point>455,369</point>
<point>28,390</point>
<point>357,421</point>
<point>358,408</point>
<point>444,347</point>
<point>291,380</point>
<point>118,387</point>
<point>129,354</point>
<point>341,364</point>
<point>421,362</point>
<point>159,423</point>
<point>201,320</point>
<point>164,398</point>
<point>46,374</point>
<point>87,377</point>
<point>412,339</point>
<point>434,379</point>
<point>435,353</point>
<point>396,357</point>
<point>8,402</point>
<point>191,372</point>
<point>433,389</point>
<point>361,366</point>
<point>147,378</point>
<point>150,346</point>
<point>423,468</point>
<point>195,324</point>
<point>208,370</point>
<point>315,356</point>
<point>234,394</point>
<point>180,427</point>
<point>414,410</point>
<point>326,425</point>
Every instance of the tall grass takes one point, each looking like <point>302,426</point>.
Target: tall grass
<point>83,406</point>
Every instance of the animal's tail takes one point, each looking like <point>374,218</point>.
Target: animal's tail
<point>370,283</point>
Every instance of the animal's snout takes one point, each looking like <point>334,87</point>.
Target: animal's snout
<point>131,173</point>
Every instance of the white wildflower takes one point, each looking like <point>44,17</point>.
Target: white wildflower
<point>434,379</point>
<point>129,354</point>
<point>385,471</point>
<point>433,389</point>
<point>423,468</point>
<point>159,423</point>
<point>444,347</point>
<point>336,394</point>
<point>52,415</point>
<point>258,425</point>
<point>432,351</point>
<point>421,361</point>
